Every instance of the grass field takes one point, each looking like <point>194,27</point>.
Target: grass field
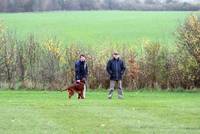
<point>97,27</point>
<point>42,112</point>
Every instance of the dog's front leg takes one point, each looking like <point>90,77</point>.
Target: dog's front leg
<point>79,96</point>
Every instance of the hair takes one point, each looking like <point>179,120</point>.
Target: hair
<point>115,53</point>
<point>82,55</point>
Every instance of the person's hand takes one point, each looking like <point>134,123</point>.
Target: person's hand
<point>78,81</point>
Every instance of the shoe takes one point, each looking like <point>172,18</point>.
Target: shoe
<point>109,97</point>
<point>120,97</point>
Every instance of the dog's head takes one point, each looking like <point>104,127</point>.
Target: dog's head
<point>82,81</point>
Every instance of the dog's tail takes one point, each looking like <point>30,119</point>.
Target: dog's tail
<point>61,90</point>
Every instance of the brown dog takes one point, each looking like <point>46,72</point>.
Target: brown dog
<point>77,87</point>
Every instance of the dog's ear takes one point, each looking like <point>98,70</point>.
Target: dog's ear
<point>83,81</point>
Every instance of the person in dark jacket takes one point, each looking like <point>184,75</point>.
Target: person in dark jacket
<point>81,71</point>
<point>115,68</point>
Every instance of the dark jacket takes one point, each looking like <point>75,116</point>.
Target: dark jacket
<point>115,68</point>
<point>81,70</point>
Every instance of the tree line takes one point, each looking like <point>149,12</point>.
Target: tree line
<point>51,5</point>
<point>32,64</point>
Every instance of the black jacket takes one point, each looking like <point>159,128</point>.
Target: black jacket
<point>81,70</point>
<point>115,68</point>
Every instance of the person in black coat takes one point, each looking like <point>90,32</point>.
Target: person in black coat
<point>115,68</point>
<point>81,70</point>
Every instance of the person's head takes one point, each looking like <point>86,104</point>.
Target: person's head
<point>82,57</point>
<point>115,55</point>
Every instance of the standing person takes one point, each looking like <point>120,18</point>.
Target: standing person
<point>115,68</point>
<point>81,71</point>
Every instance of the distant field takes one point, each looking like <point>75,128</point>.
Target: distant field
<point>29,112</point>
<point>97,27</point>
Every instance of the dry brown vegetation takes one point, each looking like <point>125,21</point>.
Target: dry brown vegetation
<point>32,64</point>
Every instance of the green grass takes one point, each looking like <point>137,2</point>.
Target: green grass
<point>97,27</point>
<point>40,112</point>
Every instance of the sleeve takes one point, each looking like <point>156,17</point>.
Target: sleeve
<point>123,67</point>
<point>77,71</point>
<point>108,67</point>
<point>86,70</point>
